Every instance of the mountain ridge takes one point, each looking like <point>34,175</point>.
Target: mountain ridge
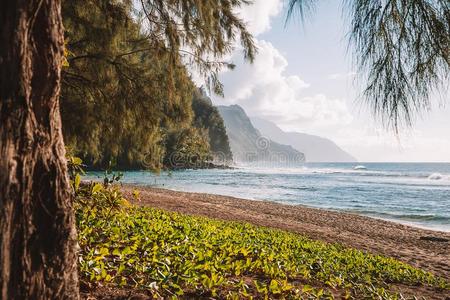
<point>249,145</point>
<point>315,148</point>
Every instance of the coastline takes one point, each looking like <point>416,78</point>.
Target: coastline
<point>423,248</point>
<point>401,222</point>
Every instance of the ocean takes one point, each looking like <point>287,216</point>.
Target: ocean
<point>416,194</point>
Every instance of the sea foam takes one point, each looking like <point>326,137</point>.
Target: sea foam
<point>436,176</point>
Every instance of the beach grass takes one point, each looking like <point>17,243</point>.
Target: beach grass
<point>174,255</point>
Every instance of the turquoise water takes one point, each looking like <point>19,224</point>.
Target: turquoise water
<point>412,193</point>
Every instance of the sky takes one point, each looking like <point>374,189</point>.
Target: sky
<point>303,80</point>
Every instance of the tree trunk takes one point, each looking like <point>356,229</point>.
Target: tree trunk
<point>38,257</point>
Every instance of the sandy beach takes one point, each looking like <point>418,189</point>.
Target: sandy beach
<point>426,249</point>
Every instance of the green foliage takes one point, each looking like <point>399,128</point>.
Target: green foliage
<point>208,117</point>
<point>123,99</point>
<point>95,196</point>
<point>173,255</point>
<point>188,148</point>
<point>115,107</point>
<point>200,33</point>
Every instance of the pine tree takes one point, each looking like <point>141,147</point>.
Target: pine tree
<point>113,109</point>
<point>37,238</point>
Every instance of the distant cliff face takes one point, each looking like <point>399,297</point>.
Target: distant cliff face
<point>247,143</point>
<point>315,148</point>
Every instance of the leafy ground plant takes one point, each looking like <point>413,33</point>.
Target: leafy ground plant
<point>171,255</point>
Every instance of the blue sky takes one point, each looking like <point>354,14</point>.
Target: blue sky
<point>303,80</point>
<point>316,48</point>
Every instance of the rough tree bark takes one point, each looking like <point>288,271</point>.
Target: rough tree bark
<point>37,230</point>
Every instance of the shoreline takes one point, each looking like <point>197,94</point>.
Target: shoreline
<point>336,210</point>
<point>423,248</point>
<point>406,223</point>
<point>391,220</point>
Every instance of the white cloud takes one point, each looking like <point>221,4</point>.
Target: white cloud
<point>259,13</point>
<point>257,16</point>
<point>340,76</point>
<point>264,89</point>
<point>373,144</point>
